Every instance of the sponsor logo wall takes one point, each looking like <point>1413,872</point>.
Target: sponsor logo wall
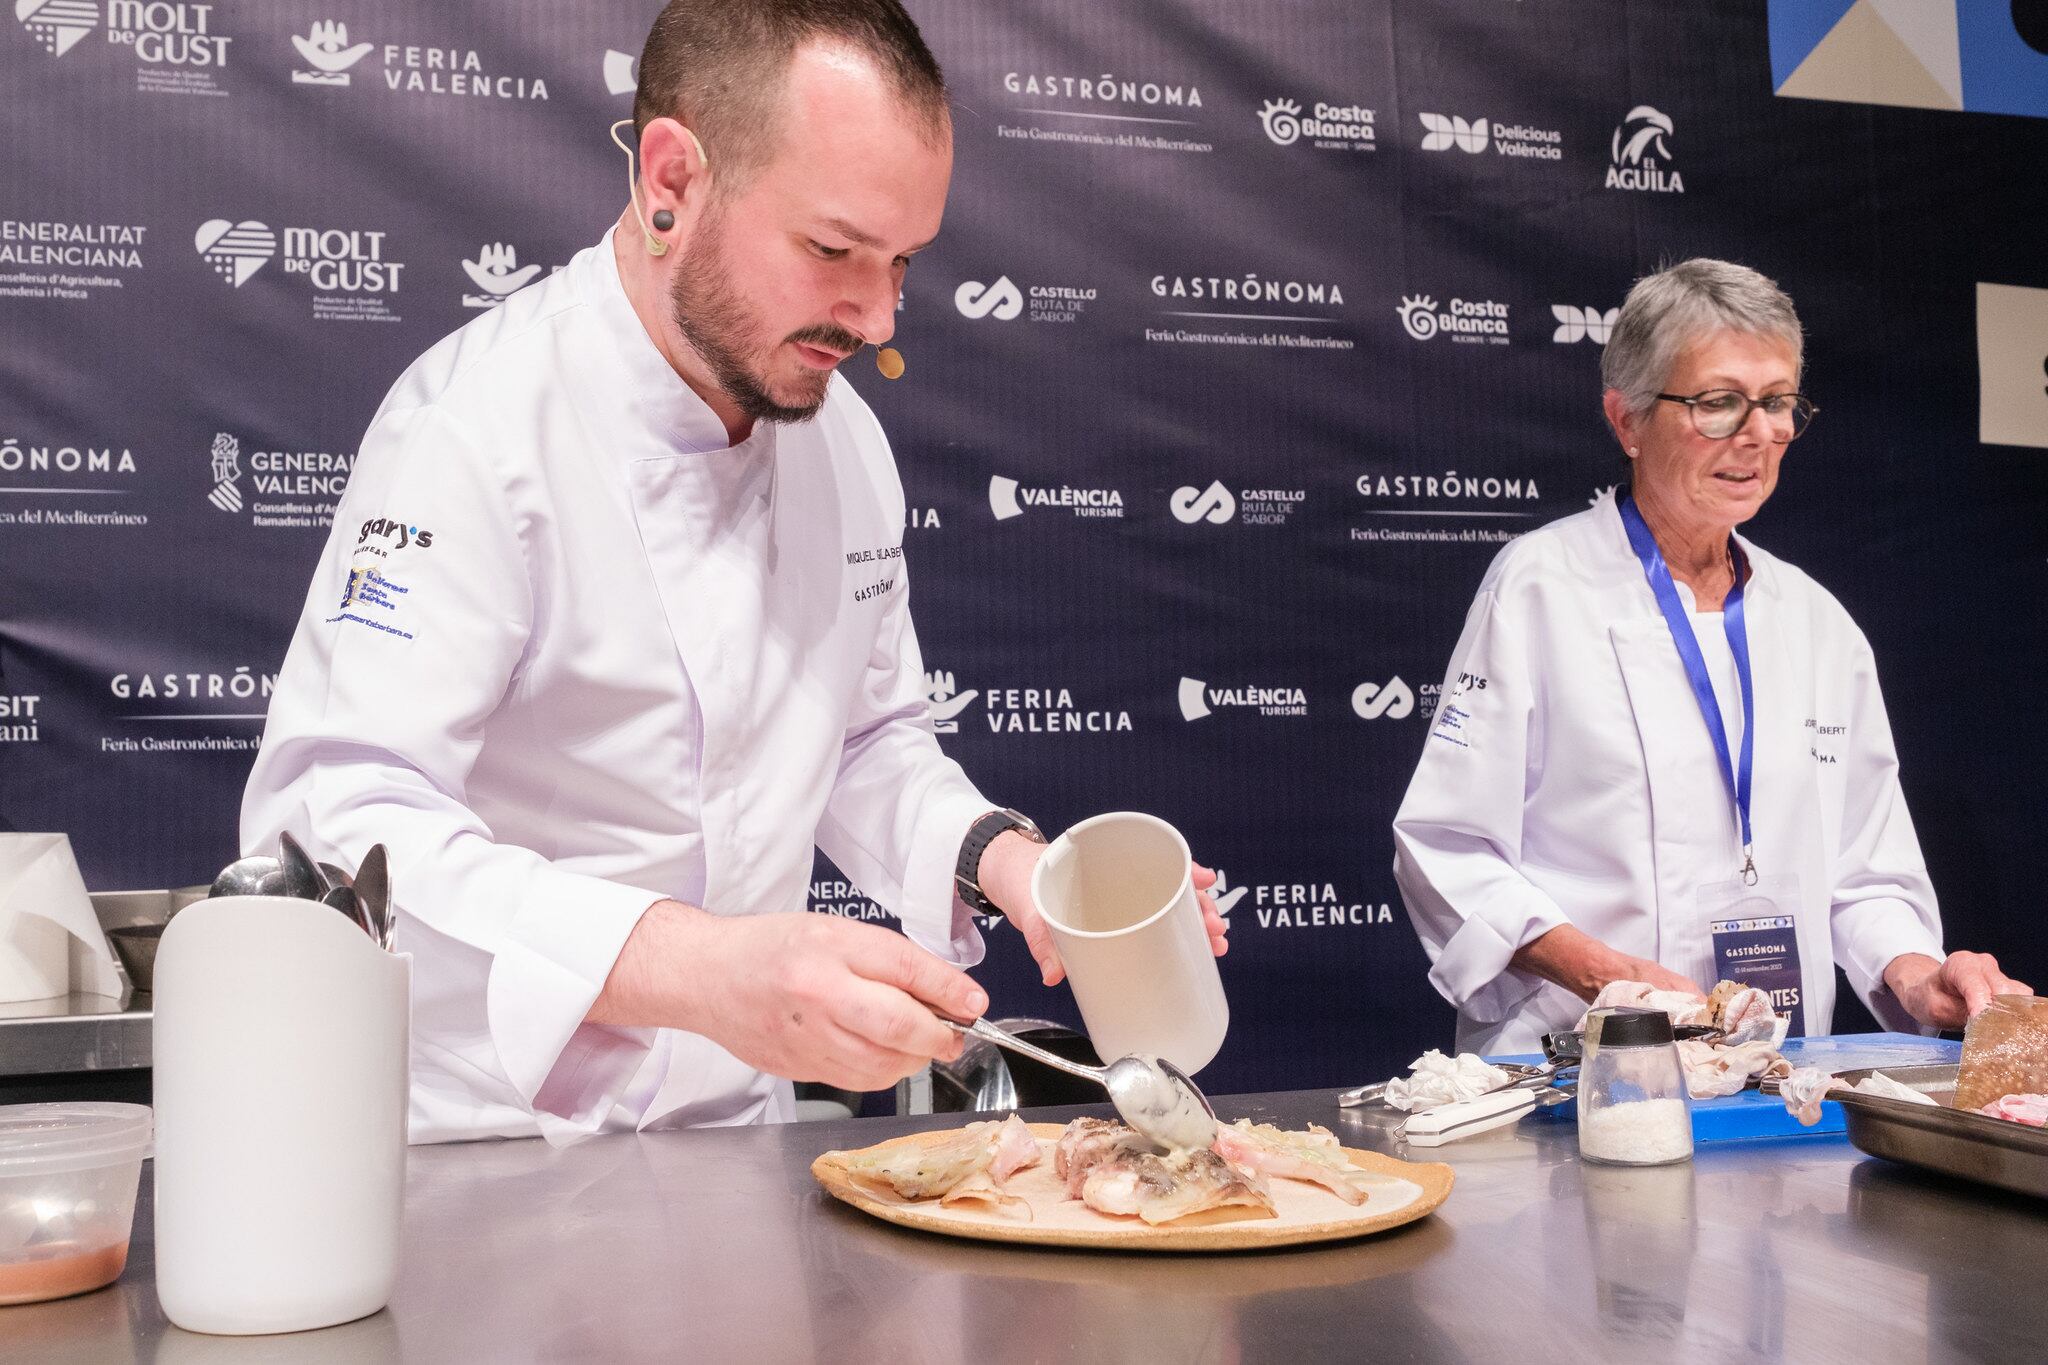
<point>1250,340</point>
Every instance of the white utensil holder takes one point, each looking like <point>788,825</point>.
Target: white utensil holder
<point>281,1036</point>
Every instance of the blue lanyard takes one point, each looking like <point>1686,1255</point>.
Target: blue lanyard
<point>1666,593</point>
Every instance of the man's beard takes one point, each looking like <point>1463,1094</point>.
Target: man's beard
<point>715,322</point>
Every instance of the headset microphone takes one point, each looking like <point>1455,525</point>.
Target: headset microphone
<point>889,361</point>
<point>663,219</point>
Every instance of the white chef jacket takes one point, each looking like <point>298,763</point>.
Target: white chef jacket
<point>1569,777</point>
<point>566,654</point>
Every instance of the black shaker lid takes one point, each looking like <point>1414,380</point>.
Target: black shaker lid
<point>1628,1026</point>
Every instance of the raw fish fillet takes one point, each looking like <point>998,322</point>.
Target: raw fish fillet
<point>1085,1144</point>
<point>1015,1150</point>
<point>1160,1189</point>
<point>2005,1051</point>
<point>1313,1156</point>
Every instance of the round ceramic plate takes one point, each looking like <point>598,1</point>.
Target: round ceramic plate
<point>1402,1192</point>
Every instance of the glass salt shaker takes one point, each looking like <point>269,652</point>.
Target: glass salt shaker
<point>1633,1107</point>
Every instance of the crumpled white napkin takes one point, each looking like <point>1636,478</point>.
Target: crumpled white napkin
<point>40,888</point>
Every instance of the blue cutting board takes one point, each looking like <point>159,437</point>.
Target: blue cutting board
<point>1753,1114</point>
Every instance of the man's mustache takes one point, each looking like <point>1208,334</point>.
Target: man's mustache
<point>825,335</point>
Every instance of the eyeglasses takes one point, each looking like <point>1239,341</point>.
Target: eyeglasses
<point>1719,413</point>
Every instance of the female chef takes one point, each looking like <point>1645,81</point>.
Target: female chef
<point>1661,753</point>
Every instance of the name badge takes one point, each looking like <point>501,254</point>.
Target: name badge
<point>1756,941</point>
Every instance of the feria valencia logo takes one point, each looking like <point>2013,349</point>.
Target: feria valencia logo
<point>1001,300</point>
<point>1007,498</point>
<point>327,53</point>
<point>1392,700</point>
<point>1214,504</point>
<point>1641,154</point>
<point>497,274</point>
<point>1582,324</point>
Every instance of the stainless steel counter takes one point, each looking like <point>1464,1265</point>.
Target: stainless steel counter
<point>716,1245</point>
<point>75,1033</point>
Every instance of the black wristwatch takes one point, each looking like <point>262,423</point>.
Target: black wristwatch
<point>983,832</point>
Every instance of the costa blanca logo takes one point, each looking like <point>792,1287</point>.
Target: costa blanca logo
<point>57,24</point>
<point>1391,699</point>
<point>1581,324</point>
<point>1441,132</point>
<point>1048,710</point>
<point>1007,498</point>
<point>496,273</point>
<point>227,468</point>
<point>947,701</point>
<point>1641,156</point>
<point>1198,699</point>
<point>19,723</point>
<point>235,250</point>
<point>326,50</point>
<point>621,72</point>
<point>1214,503</point>
<point>1332,127</point>
<point>1469,320</point>
<point>1001,300</point>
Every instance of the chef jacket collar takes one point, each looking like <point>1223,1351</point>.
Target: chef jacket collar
<point>1763,577</point>
<point>645,385</point>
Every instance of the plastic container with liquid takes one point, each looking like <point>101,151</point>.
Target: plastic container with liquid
<point>68,1173</point>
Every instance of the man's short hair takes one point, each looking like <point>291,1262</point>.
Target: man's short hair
<point>721,66</point>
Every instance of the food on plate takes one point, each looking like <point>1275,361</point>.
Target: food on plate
<point>976,1160</point>
<point>1435,1079</point>
<point>1159,1189</point>
<point>1313,1156</point>
<point>2028,1109</point>
<point>2005,1051</point>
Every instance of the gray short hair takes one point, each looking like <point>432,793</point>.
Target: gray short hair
<point>1678,305</point>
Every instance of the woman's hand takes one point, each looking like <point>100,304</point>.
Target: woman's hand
<point>1949,993</point>
<point>1572,958</point>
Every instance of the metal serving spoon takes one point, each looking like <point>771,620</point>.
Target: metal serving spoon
<point>373,884</point>
<point>1155,1097</point>
<point>302,876</point>
<point>252,876</point>
<point>349,903</point>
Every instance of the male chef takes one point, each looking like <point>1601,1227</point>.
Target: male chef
<point>614,627</point>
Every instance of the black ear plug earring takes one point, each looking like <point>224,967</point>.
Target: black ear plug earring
<point>663,220</point>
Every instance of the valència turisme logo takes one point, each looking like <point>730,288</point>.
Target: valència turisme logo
<point>327,53</point>
<point>1471,320</point>
<point>1642,156</point>
<point>497,274</point>
<point>1582,324</point>
<point>1328,127</point>
<point>1391,700</point>
<point>1008,498</point>
<point>1441,132</point>
<point>1198,700</point>
<point>946,701</point>
<point>621,72</point>
<point>58,25</point>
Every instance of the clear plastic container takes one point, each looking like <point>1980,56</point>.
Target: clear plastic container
<point>1633,1106</point>
<point>68,1174</point>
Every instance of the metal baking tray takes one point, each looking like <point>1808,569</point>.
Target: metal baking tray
<point>2012,1156</point>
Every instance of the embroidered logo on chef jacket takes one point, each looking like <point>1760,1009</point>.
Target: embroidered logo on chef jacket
<point>1825,742</point>
<point>879,555</point>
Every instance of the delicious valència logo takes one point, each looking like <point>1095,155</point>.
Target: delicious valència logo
<point>1199,699</point>
<point>1641,155</point>
<point>946,701</point>
<point>1582,324</point>
<point>1332,127</point>
<point>328,53</point>
<point>497,274</point>
<point>1008,498</point>
<point>59,25</point>
<point>1471,320</point>
<point>413,68</point>
<point>1444,131</point>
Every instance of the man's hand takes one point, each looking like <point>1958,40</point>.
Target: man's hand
<point>1582,964</point>
<point>1949,993</point>
<point>1005,878</point>
<point>807,996</point>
